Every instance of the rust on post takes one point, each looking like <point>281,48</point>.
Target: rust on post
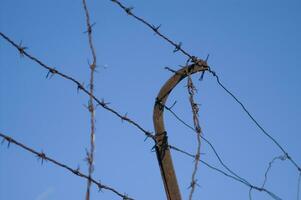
<point>162,149</point>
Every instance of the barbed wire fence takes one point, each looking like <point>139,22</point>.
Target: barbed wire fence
<point>89,91</point>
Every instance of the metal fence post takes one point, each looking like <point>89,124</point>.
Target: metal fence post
<point>162,148</point>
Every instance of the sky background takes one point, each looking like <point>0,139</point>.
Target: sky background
<point>254,46</point>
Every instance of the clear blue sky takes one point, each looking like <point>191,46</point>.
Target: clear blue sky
<point>255,47</point>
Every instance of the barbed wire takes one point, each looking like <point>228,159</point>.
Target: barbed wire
<point>195,116</point>
<point>80,87</point>
<point>53,71</point>
<point>194,59</point>
<point>102,103</point>
<point>43,157</point>
<point>177,46</point>
<point>91,109</point>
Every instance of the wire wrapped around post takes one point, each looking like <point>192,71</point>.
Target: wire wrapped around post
<point>162,148</point>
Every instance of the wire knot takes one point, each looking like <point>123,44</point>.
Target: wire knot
<point>156,28</point>
<point>129,10</point>
<point>41,156</point>
<point>21,49</point>
<point>177,47</point>
<point>80,86</point>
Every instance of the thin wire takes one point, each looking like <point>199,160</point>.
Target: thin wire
<point>42,156</point>
<point>269,168</point>
<point>209,143</point>
<point>237,179</point>
<point>254,120</point>
<point>250,193</point>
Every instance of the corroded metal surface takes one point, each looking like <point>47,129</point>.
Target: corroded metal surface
<point>162,149</point>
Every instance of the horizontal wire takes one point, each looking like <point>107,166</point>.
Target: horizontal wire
<point>42,156</point>
<point>54,71</point>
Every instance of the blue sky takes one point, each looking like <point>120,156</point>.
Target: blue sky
<point>254,46</point>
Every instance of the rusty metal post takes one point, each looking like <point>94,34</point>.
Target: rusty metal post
<point>162,149</point>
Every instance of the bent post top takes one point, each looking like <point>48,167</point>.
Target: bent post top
<point>162,149</point>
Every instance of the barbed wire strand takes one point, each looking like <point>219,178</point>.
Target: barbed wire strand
<point>194,59</point>
<point>42,156</point>
<point>100,186</point>
<point>177,47</point>
<point>80,86</point>
<point>195,116</point>
<point>91,109</point>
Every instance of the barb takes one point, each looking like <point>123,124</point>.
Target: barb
<point>239,180</point>
<point>282,158</point>
<point>42,156</point>
<point>194,59</point>
<point>195,113</point>
<point>81,87</point>
<point>90,155</point>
